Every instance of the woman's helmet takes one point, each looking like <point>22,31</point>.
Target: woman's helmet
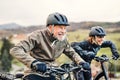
<point>97,31</point>
<point>57,19</point>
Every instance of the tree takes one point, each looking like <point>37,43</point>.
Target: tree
<point>5,57</point>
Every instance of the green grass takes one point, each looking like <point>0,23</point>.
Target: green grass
<point>16,62</point>
<point>0,44</point>
<point>80,35</point>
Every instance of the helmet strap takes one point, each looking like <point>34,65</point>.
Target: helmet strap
<point>52,29</point>
<point>94,40</point>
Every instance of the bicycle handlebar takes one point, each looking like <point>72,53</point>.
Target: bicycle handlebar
<point>55,71</point>
<point>64,69</point>
<point>102,58</point>
<point>71,66</point>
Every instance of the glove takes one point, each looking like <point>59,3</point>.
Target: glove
<point>38,66</point>
<point>90,55</point>
<point>85,65</point>
<point>115,55</point>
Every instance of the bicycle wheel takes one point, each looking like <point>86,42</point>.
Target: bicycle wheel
<point>100,76</point>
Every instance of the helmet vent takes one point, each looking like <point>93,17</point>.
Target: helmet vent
<point>56,17</point>
<point>66,19</point>
<point>62,18</point>
<point>98,30</point>
<point>102,30</point>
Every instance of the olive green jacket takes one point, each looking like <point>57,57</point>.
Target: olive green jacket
<point>41,45</point>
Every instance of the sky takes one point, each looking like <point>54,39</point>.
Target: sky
<point>35,12</point>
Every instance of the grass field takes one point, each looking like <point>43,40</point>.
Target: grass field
<point>80,35</point>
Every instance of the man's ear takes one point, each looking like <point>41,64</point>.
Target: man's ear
<point>51,28</point>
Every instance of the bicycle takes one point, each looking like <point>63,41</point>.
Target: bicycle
<point>102,75</point>
<point>64,72</point>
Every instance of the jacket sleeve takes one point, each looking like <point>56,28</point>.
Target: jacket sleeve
<point>69,51</point>
<point>22,49</point>
<point>78,47</point>
<point>112,46</point>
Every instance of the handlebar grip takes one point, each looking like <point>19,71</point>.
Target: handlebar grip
<point>101,59</point>
<point>19,75</point>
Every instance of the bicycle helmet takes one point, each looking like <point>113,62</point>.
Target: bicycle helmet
<point>97,31</point>
<point>57,19</point>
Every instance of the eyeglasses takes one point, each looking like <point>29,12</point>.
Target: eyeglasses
<point>100,36</point>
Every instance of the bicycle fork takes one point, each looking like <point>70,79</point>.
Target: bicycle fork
<point>104,71</point>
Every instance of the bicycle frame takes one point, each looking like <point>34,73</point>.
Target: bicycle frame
<point>102,59</point>
<point>104,71</point>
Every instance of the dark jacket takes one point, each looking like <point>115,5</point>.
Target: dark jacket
<point>83,47</point>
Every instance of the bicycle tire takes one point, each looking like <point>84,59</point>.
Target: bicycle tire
<point>100,76</point>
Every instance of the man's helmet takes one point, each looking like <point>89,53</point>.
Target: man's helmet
<point>57,19</point>
<point>97,31</point>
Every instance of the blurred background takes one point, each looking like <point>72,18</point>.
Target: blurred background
<point>18,18</point>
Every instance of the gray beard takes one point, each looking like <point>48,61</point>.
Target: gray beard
<point>63,38</point>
